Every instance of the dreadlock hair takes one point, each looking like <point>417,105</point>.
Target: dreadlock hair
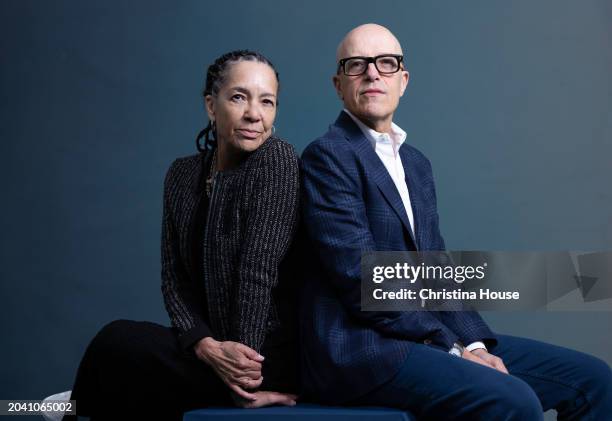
<point>215,77</point>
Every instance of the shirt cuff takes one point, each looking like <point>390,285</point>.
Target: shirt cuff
<point>475,345</point>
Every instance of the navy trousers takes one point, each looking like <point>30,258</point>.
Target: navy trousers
<point>434,385</point>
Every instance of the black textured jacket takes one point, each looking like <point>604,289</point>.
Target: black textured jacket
<point>226,265</point>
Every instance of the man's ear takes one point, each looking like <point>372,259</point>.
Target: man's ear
<point>337,84</point>
<point>210,107</point>
<point>404,81</point>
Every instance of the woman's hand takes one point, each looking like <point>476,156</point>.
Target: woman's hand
<point>236,364</point>
<point>264,398</point>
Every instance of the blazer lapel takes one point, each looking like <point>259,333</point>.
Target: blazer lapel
<point>414,191</point>
<point>377,169</point>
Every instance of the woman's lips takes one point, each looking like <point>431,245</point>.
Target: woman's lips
<point>249,134</point>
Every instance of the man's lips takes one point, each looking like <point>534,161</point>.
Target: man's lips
<point>373,91</point>
<point>248,133</point>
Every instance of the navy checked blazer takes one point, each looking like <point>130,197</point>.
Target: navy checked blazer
<point>351,205</point>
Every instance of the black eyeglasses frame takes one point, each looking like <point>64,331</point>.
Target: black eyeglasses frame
<point>399,57</point>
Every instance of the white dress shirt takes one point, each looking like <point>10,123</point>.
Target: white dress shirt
<point>386,146</point>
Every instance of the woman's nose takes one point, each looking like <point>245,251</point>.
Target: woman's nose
<point>252,111</point>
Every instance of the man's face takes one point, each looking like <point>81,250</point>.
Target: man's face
<point>372,96</point>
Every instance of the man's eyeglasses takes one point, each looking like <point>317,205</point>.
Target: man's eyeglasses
<point>385,64</point>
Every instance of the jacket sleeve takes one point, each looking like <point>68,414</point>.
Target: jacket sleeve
<point>270,226</point>
<point>337,222</point>
<point>182,297</point>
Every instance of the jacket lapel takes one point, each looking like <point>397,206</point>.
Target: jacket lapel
<point>377,169</point>
<point>414,191</point>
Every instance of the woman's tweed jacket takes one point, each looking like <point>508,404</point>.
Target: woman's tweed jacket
<point>252,217</point>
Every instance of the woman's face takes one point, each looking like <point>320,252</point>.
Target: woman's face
<point>245,106</point>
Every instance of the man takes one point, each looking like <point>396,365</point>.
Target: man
<point>366,189</point>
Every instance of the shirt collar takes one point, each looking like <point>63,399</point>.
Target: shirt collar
<point>397,135</point>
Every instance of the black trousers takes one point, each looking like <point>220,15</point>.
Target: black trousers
<point>137,370</point>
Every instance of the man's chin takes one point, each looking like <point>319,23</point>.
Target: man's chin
<point>373,113</point>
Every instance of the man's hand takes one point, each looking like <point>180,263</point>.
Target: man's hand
<point>264,398</point>
<point>236,364</point>
<point>481,356</point>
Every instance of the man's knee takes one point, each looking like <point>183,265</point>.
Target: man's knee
<point>516,400</point>
<point>597,376</point>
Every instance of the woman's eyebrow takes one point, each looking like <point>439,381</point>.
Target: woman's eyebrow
<point>246,91</point>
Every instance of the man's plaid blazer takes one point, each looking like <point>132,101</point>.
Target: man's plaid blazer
<point>351,205</point>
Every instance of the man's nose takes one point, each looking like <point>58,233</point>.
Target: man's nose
<point>372,72</point>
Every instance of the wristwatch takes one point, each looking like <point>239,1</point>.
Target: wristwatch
<point>457,350</point>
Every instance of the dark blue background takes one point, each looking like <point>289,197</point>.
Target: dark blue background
<point>511,101</point>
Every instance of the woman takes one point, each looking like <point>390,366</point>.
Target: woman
<point>230,213</point>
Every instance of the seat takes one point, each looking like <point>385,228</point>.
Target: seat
<point>300,412</point>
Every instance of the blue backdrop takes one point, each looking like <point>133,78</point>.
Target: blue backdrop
<point>511,101</point>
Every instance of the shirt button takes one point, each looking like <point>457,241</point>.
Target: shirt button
<point>427,341</point>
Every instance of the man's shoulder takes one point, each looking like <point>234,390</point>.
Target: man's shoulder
<point>413,151</point>
<point>413,154</point>
<point>332,141</point>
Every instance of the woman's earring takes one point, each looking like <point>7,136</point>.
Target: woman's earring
<point>273,129</point>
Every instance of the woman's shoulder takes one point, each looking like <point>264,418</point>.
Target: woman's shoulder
<point>275,149</point>
<point>185,167</point>
<point>187,161</point>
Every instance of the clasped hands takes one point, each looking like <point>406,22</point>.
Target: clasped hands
<point>239,367</point>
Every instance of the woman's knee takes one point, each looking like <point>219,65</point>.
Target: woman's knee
<point>113,336</point>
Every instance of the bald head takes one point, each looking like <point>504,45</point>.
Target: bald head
<point>367,38</point>
<point>371,96</point>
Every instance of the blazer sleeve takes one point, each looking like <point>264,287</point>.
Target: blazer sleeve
<point>182,296</point>
<point>337,223</point>
<point>270,226</point>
